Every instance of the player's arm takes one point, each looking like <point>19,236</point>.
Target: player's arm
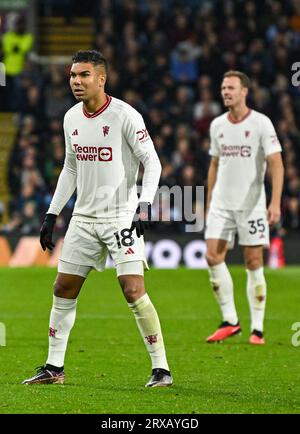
<point>144,150</point>
<point>66,185</point>
<point>276,170</point>
<point>152,171</point>
<point>214,152</point>
<point>272,150</point>
<point>138,138</point>
<point>211,179</point>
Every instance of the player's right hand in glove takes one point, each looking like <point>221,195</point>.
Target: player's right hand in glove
<point>47,231</point>
<point>141,218</point>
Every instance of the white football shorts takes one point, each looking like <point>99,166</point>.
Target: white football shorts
<point>88,244</point>
<point>251,226</point>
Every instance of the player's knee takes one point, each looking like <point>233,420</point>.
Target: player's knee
<point>253,262</point>
<point>132,288</point>
<point>131,293</point>
<point>62,289</point>
<point>213,258</point>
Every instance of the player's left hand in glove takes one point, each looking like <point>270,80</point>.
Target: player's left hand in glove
<point>142,218</point>
<point>47,231</point>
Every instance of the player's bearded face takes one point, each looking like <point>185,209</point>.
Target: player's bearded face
<point>233,93</point>
<point>86,80</point>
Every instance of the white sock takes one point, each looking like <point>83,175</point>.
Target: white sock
<point>222,284</point>
<point>257,294</point>
<point>62,319</point>
<point>148,323</point>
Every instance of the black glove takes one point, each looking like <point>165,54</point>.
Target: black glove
<point>141,218</point>
<point>46,232</point>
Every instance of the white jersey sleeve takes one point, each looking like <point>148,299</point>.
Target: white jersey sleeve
<point>142,146</point>
<point>269,139</point>
<point>214,148</point>
<point>66,183</point>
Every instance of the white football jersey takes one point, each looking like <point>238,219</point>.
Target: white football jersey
<point>242,148</point>
<point>103,153</point>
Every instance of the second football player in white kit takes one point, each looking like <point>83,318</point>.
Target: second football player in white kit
<point>106,139</point>
<point>243,143</point>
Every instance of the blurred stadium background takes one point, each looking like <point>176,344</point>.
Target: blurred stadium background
<point>166,59</point>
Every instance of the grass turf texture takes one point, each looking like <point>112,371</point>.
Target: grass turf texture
<point>107,364</point>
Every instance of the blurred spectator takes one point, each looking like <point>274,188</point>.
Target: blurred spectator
<point>16,44</point>
<point>206,103</point>
<point>181,109</point>
<point>179,29</point>
<point>231,33</point>
<point>292,213</point>
<point>182,154</point>
<point>30,224</point>
<point>184,65</point>
<point>57,102</point>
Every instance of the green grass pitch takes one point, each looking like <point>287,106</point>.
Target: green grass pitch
<point>107,364</point>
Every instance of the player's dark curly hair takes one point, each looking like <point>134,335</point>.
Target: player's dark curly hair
<point>91,56</point>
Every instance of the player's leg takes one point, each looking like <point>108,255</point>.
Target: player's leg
<point>62,318</point>
<point>219,235</point>
<point>128,253</point>
<point>222,285</point>
<point>81,246</point>
<point>253,230</point>
<point>256,291</point>
<point>80,253</point>
<point>131,278</point>
<point>63,313</point>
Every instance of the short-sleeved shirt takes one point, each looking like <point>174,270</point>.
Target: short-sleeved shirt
<point>242,148</point>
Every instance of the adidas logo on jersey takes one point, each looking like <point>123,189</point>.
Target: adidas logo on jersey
<point>75,133</point>
<point>129,251</point>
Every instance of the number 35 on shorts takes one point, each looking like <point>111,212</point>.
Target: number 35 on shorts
<point>256,226</point>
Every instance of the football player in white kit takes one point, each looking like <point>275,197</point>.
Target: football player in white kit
<point>243,143</point>
<point>106,139</point>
